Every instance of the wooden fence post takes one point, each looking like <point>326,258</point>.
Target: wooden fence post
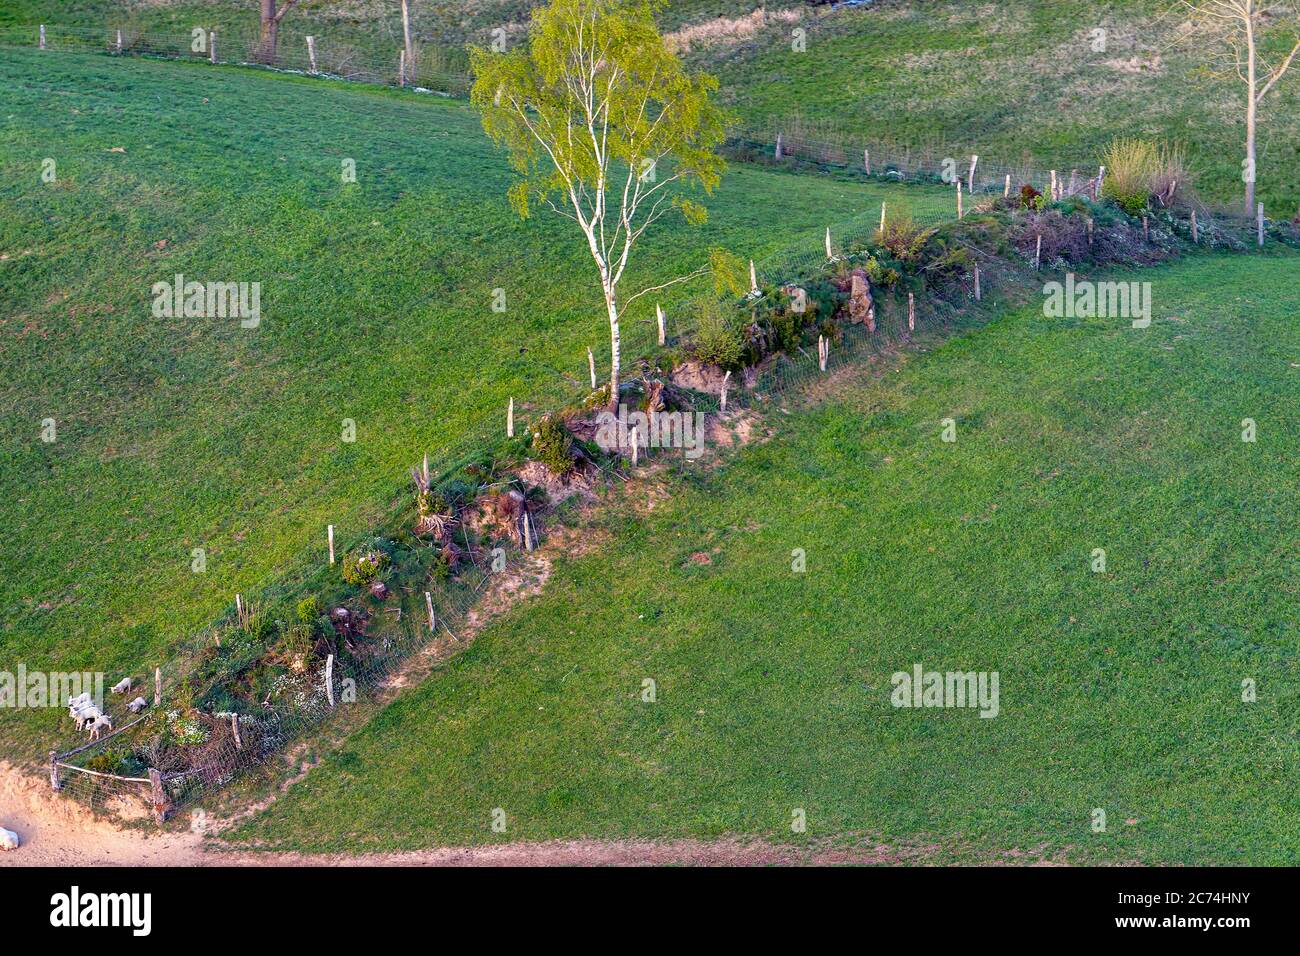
<point>753,277</point>
<point>830,256</point>
<point>428,603</point>
<point>331,535</point>
<point>1053,192</point>
<point>212,47</point>
<point>311,54</point>
<point>1195,231</point>
<point>663,332</point>
<point>960,214</point>
<point>779,154</point>
<point>1101,180</point>
<point>234,727</point>
<point>119,42</point>
<point>510,419</point>
<point>823,352</point>
<point>866,161</point>
<point>54,771</point>
<point>1146,229</point>
<point>157,686</point>
<point>1038,254</point>
<point>636,447</point>
<point>329,679</point>
<point>161,805</point>
<point>1259,221</point>
<point>978,296</point>
<point>591,361</point>
<point>42,43</point>
<point>1006,190</point>
<point>725,379</point>
<point>911,312</point>
<point>401,67</point>
<point>970,178</point>
<point>882,217</point>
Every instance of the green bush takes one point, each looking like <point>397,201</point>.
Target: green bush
<point>1131,168</point>
<point>115,760</point>
<point>362,567</point>
<point>296,645</point>
<point>717,342</point>
<point>903,239</point>
<point>309,610</point>
<point>553,445</point>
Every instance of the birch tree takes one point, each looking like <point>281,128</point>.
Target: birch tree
<point>272,12</point>
<point>1234,31</point>
<point>605,127</point>
<point>409,73</point>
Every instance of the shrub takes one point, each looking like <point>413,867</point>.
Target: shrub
<point>1171,178</point>
<point>904,239</point>
<point>309,610</point>
<point>717,342</point>
<point>110,761</point>
<point>1131,166</point>
<point>362,567</point>
<point>1031,198</point>
<point>253,621</point>
<point>553,445</point>
<point>296,645</point>
<point>881,275</point>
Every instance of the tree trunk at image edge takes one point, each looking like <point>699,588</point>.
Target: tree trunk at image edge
<point>270,33</point>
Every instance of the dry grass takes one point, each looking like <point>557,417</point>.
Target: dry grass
<point>728,31</point>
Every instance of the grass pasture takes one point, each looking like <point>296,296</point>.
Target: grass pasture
<point>1119,691</point>
<point>1014,82</point>
<point>181,434</point>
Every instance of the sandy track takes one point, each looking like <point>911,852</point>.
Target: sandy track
<point>59,832</point>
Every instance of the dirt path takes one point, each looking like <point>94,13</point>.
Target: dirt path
<point>60,832</point>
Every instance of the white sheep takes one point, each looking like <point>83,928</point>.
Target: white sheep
<point>137,705</point>
<point>8,839</point>
<point>100,722</point>
<point>85,714</point>
<point>122,687</point>
<point>76,703</point>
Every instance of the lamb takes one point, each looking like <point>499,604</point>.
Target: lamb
<point>98,726</point>
<point>122,687</point>
<point>137,705</point>
<point>8,839</point>
<point>83,711</point>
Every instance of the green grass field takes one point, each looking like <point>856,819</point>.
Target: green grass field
<point>1011,82</point>
<point>1016,81</point>
<point>1119,691</point>
<point>377,307</point>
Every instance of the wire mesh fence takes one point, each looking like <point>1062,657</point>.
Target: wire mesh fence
<point>354,57</point>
